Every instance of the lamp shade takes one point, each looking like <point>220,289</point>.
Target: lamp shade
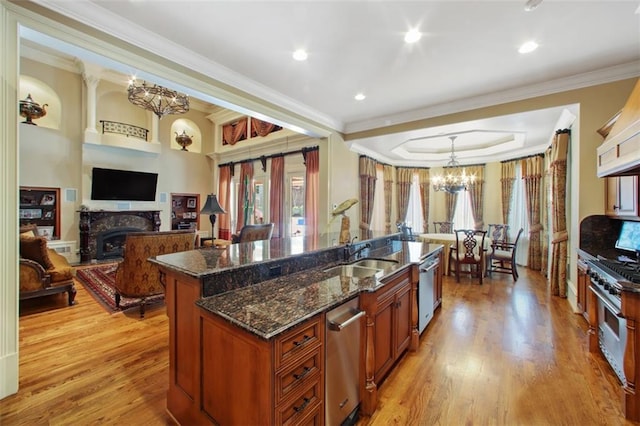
<point>212,206</point>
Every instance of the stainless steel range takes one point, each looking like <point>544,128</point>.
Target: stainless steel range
<point>608,277</point>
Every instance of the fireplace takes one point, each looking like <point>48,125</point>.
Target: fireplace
<point>97,222</point>
<point>111,243</point>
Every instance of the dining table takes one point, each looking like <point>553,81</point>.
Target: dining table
<point>449,239</point>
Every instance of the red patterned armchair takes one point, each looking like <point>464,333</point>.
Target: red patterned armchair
<point>137,278</point>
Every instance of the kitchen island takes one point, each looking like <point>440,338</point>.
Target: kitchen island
<point>247,325</point>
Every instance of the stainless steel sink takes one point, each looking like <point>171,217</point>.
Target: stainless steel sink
<point>354,271</point>
<point>374,263</point>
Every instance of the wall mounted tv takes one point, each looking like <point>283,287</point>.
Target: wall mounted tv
<point>123,185</point>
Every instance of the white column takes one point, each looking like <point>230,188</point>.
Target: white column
<point>92,85</point>
<point>155,128</point>
<point>91,75</point>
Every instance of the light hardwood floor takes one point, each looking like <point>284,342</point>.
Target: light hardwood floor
<point>496,354</point>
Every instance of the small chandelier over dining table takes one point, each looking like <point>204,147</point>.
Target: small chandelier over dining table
<point>455,181</point>
<point>160,100</point>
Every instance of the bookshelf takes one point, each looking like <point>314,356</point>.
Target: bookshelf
<point>41,206</point>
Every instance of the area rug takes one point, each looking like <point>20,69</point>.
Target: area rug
<point>99,281</point>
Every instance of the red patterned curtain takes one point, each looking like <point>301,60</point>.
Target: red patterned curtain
<point>312,189</point>
<point>224,195</point>
<point>367,171</point>
<point>276,196</point>
<point>262,128</point>
<point>233,132</point>
<point>245,195</point>
<point>560,236</point>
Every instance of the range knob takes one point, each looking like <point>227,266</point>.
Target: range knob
<point>614,291</point>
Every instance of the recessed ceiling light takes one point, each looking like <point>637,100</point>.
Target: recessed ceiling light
<point>300,55</point>
<point>531,5</point>
<point>412,36</point>
<point>359,97</point>
<point>527,47</point>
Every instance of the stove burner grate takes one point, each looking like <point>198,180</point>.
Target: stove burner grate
<point>630,271</point>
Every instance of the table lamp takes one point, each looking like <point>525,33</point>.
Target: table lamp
<point>212,207</point>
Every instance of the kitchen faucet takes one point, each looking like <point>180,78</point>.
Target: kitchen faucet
<point>355,254</point>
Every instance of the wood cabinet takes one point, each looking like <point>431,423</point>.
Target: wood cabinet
<point>389,328</point>
<point>40,206</point>
<point>583,289</point>
<point>185,211</point>
<point>247,380</point>
<point>621,195</point>
<point>222,374</point>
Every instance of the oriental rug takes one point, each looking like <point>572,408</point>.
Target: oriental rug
<point>99,281</point>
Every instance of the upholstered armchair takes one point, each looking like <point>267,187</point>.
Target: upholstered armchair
<point>253,233</point>
<point>502,257</point>
<point>43,271</point>
<point>138,278</point>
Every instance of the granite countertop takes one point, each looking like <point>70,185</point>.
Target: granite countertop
<point>206,261</point>
<point>271,307</point>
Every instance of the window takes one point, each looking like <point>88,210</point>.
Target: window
<point>294,204</point>
<point>519,218</point>
<point>415,216</point>
<point>378,216</point>
<point>260,210</point>
<point>463,216</point>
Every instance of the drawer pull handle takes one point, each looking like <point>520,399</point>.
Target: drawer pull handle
<point>303,406</point>
<point>304,340</point>
<point>305,371</point>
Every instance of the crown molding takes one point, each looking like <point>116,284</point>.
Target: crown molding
<point>578,81</point>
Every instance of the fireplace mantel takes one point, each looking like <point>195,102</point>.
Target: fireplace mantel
<point>94,221</point>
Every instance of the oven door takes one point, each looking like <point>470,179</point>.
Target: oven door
<point>612,332</point>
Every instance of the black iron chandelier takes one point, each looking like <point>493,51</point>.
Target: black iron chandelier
<point>160,100</point>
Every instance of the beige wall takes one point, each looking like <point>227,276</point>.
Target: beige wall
<point>59,158</point>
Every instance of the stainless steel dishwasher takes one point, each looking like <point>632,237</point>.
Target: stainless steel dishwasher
<point>342,358</point>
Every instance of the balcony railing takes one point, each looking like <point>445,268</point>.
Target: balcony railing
<point>124,129</point>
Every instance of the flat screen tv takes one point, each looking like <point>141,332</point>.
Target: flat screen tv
<point>629,237</point>
<point>123,185</point>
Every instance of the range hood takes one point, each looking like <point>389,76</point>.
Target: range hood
<point>619,154</point>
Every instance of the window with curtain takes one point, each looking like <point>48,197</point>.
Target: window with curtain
<point>463,214</point>
<point>377,217</point>
<point>415,215</point>
<point>519,218</point>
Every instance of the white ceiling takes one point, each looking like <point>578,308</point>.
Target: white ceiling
<point>467,58</point>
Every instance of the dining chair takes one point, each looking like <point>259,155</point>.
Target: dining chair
<point>502,257</point>
<point>468,250</point>
<point>498,232</point>
<point>443,227</point>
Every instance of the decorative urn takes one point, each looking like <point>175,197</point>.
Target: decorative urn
<point>30,110</point>
<point>183,140</point>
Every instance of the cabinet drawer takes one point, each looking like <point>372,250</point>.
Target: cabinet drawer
<point>297,375</point>
<point>305,405</point>
<point>297,343</point>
